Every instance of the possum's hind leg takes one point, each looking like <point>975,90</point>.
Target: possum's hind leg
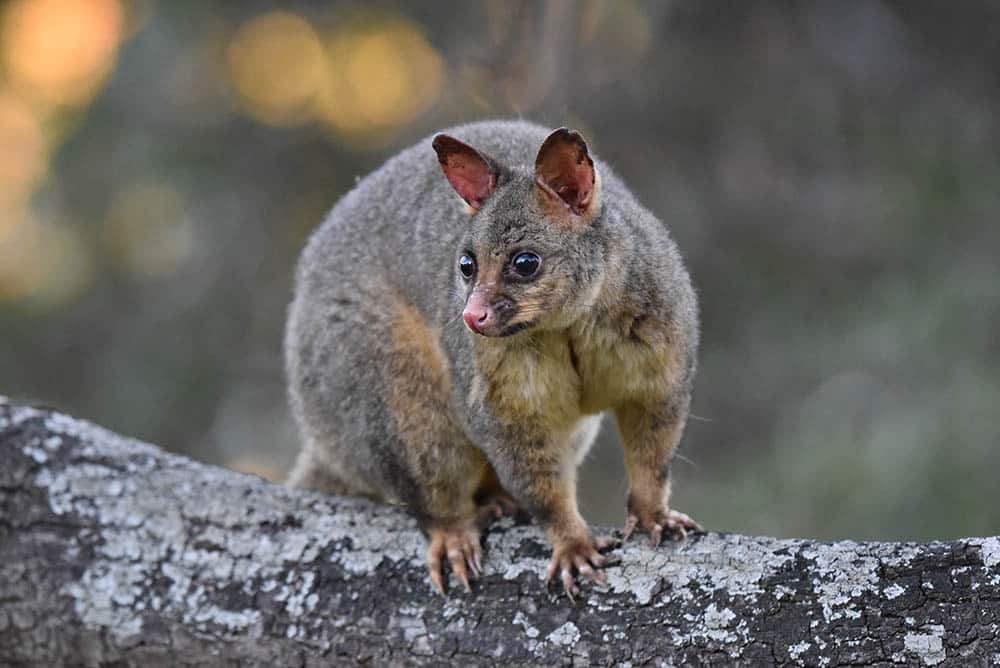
<point>313,471</point>
<point>444,468</point>
<point>493,500</point>
<point>373,405</point>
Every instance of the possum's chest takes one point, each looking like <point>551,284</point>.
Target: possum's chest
<point>559,379</point>
<point>617,371</point>
<point>535,381</point>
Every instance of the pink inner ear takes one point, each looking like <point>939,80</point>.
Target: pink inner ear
<point>564,169</point>
<point>467,170</point>
<point>470,178</point>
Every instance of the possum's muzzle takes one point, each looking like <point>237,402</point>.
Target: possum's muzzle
<point>489,314</point>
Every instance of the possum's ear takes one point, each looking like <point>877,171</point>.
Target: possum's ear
<point>468,171</point>
<point>565,173</point>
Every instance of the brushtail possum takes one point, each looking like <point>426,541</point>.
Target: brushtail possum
<point>454,354</point>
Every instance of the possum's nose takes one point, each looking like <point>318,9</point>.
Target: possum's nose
<point>480,314</point>
<point>479,317</point>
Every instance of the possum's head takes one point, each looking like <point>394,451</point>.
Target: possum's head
<point>533,254</point>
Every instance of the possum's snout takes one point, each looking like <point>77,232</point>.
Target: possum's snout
<point>486,314</point>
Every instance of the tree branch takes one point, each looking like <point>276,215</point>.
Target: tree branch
<point>114,551</point>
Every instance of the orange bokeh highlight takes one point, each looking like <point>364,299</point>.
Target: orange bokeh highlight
<point>383,74</point>
<point>23,154</point>
<point>59,51</point>
<point>371,74</point>
<point>277,66</point>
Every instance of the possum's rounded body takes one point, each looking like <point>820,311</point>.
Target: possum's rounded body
<point>397,399</point>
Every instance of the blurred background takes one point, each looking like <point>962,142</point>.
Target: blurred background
<point>830,171</point>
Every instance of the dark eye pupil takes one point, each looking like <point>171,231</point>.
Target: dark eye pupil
<point>526,264</point>
<point>467,266</point>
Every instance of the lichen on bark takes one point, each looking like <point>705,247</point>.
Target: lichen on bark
<point>113,551</point>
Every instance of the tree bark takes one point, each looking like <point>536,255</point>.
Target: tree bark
<point>115,552</point>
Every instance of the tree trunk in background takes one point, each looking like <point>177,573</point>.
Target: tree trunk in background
<point>114,551</point>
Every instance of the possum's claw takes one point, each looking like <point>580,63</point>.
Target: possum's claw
<point>675,522</point>
<point>459,542</point>
<point>582,557</point>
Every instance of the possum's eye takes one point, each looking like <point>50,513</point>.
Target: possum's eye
<point>525,264</point>
<point>467,265</point>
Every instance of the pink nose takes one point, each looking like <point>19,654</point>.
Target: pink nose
<point>477,317</point>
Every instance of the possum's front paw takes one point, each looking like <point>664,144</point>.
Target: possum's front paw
<point>654,521</point>
<point>459,542</point>
<point>580,555</point>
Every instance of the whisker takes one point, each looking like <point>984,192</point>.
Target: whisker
<point>686,460</point>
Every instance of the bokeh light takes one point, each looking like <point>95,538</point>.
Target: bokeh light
<point>23,154</point>
<point>59,51</point>
<point>146,233</point>
<point>55,55</point>
<point>43,264</point>
<point>368,76</point>
<point>277,65</point>
<point>382,75</point>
